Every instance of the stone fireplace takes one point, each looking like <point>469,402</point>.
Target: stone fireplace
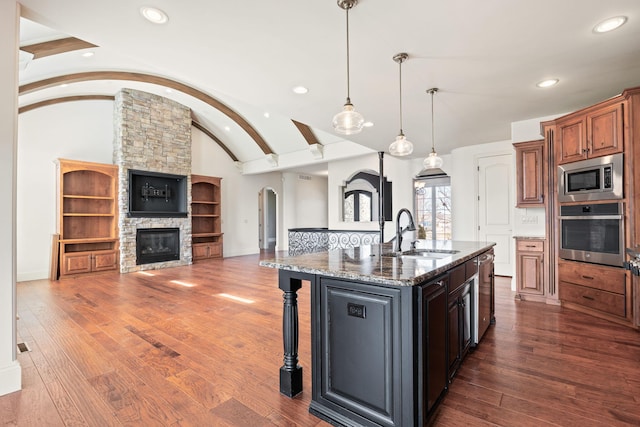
<point>152,134</point>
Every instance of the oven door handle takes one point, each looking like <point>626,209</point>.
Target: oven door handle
<point>592,217</point>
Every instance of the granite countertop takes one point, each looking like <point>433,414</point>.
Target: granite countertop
<point>365,263</point>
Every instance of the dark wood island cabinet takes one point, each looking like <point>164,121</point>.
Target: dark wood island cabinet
<point>383,336</point>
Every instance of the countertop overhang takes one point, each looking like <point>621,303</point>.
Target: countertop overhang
<point>367,263</point>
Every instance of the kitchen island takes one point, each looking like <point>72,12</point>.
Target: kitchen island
<point>389,329</point>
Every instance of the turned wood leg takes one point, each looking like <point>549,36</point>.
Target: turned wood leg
<point>290,372</point>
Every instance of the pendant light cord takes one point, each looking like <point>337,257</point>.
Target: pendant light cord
<point>433,145</point>
<point>348,79</point>
<point>400,92</point>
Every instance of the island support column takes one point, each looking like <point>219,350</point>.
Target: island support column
<point>290,372</point>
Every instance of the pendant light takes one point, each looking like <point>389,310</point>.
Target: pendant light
<point>401,146</point>
<point>348,121</point>
<point>432,161</point>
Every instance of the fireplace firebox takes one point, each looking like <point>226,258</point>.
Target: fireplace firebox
<point>157,245</point>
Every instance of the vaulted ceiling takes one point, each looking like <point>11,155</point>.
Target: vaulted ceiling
<point>235,63</point>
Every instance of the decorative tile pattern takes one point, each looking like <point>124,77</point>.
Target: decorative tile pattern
<point>318,239</point>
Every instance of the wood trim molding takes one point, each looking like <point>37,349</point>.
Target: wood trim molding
<point>158,80</point>
<point>60,100</point>
<point>307,133</point>
<point>54,47</point>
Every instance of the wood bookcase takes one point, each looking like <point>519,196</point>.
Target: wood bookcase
<point>206,219</point>
<point>87,217</point>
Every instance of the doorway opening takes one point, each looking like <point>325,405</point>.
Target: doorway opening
<point>267,222</point>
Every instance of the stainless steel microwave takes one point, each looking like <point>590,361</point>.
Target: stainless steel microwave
<point>599,178</point>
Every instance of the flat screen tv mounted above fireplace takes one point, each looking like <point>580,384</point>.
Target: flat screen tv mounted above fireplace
<point>154,194</point>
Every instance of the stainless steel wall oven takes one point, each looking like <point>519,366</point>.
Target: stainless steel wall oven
<point>593,233</point>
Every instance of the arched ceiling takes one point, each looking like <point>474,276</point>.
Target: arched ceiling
<point>484,56</point>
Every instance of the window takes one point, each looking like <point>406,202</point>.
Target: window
<point>357,206</point>
<point>433,208</point>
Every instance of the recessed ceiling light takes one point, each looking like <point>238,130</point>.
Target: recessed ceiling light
<point>301,90</point>
<point>64,85</point>
<point>609,24</point>
<point>168,90</point>
<point>548,83</point>
<point>153,14</point>
<point>227,128</point>
<point>367,124</point>
<point>88,54</point>
<point>266,114</point>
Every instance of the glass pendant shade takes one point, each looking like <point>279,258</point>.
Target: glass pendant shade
<point>432,161</point>
<point>401,146</point>
<point>348,121</point>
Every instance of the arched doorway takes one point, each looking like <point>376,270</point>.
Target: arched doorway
<point>267,222</point>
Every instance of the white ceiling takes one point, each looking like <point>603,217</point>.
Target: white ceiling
<point>485,56</point>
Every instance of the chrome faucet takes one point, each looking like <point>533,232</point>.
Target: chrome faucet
<point>400,230</point>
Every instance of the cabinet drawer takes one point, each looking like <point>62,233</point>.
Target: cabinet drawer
<point>593,298</point>
<point>529,245</point>
<point>470,268</point>
<point>609,279</point>
<point>456,278</point>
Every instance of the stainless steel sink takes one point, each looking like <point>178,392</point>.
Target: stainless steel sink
<point>423,253</point>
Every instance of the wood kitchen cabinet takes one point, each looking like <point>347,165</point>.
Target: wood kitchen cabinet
<point>595,289</point>
<point>529,269</point>
<point>87,217</point>
<point>206,219</point>
<point>434,341</point>
<point>530,174</point>
<point>598,132</point>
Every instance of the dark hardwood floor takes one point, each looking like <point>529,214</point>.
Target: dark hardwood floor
<point>173,347</point>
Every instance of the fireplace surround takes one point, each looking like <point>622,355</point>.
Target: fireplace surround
<point>152,136</point>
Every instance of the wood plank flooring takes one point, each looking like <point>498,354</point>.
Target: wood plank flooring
<point>176,347</point>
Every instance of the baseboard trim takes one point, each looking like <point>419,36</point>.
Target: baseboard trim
<point>10,378</point>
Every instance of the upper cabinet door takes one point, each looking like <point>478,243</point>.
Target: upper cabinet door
<point>604,131</point>
<point>594,134</point>
<point>529,174</point>
<point>571,140</point>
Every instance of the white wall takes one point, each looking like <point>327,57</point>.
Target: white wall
<point>308,199</point>
<point>74,130</point>
<point>240,196</point>
<point>10,370</point>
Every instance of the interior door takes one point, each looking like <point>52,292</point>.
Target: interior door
<point>495,208</point>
